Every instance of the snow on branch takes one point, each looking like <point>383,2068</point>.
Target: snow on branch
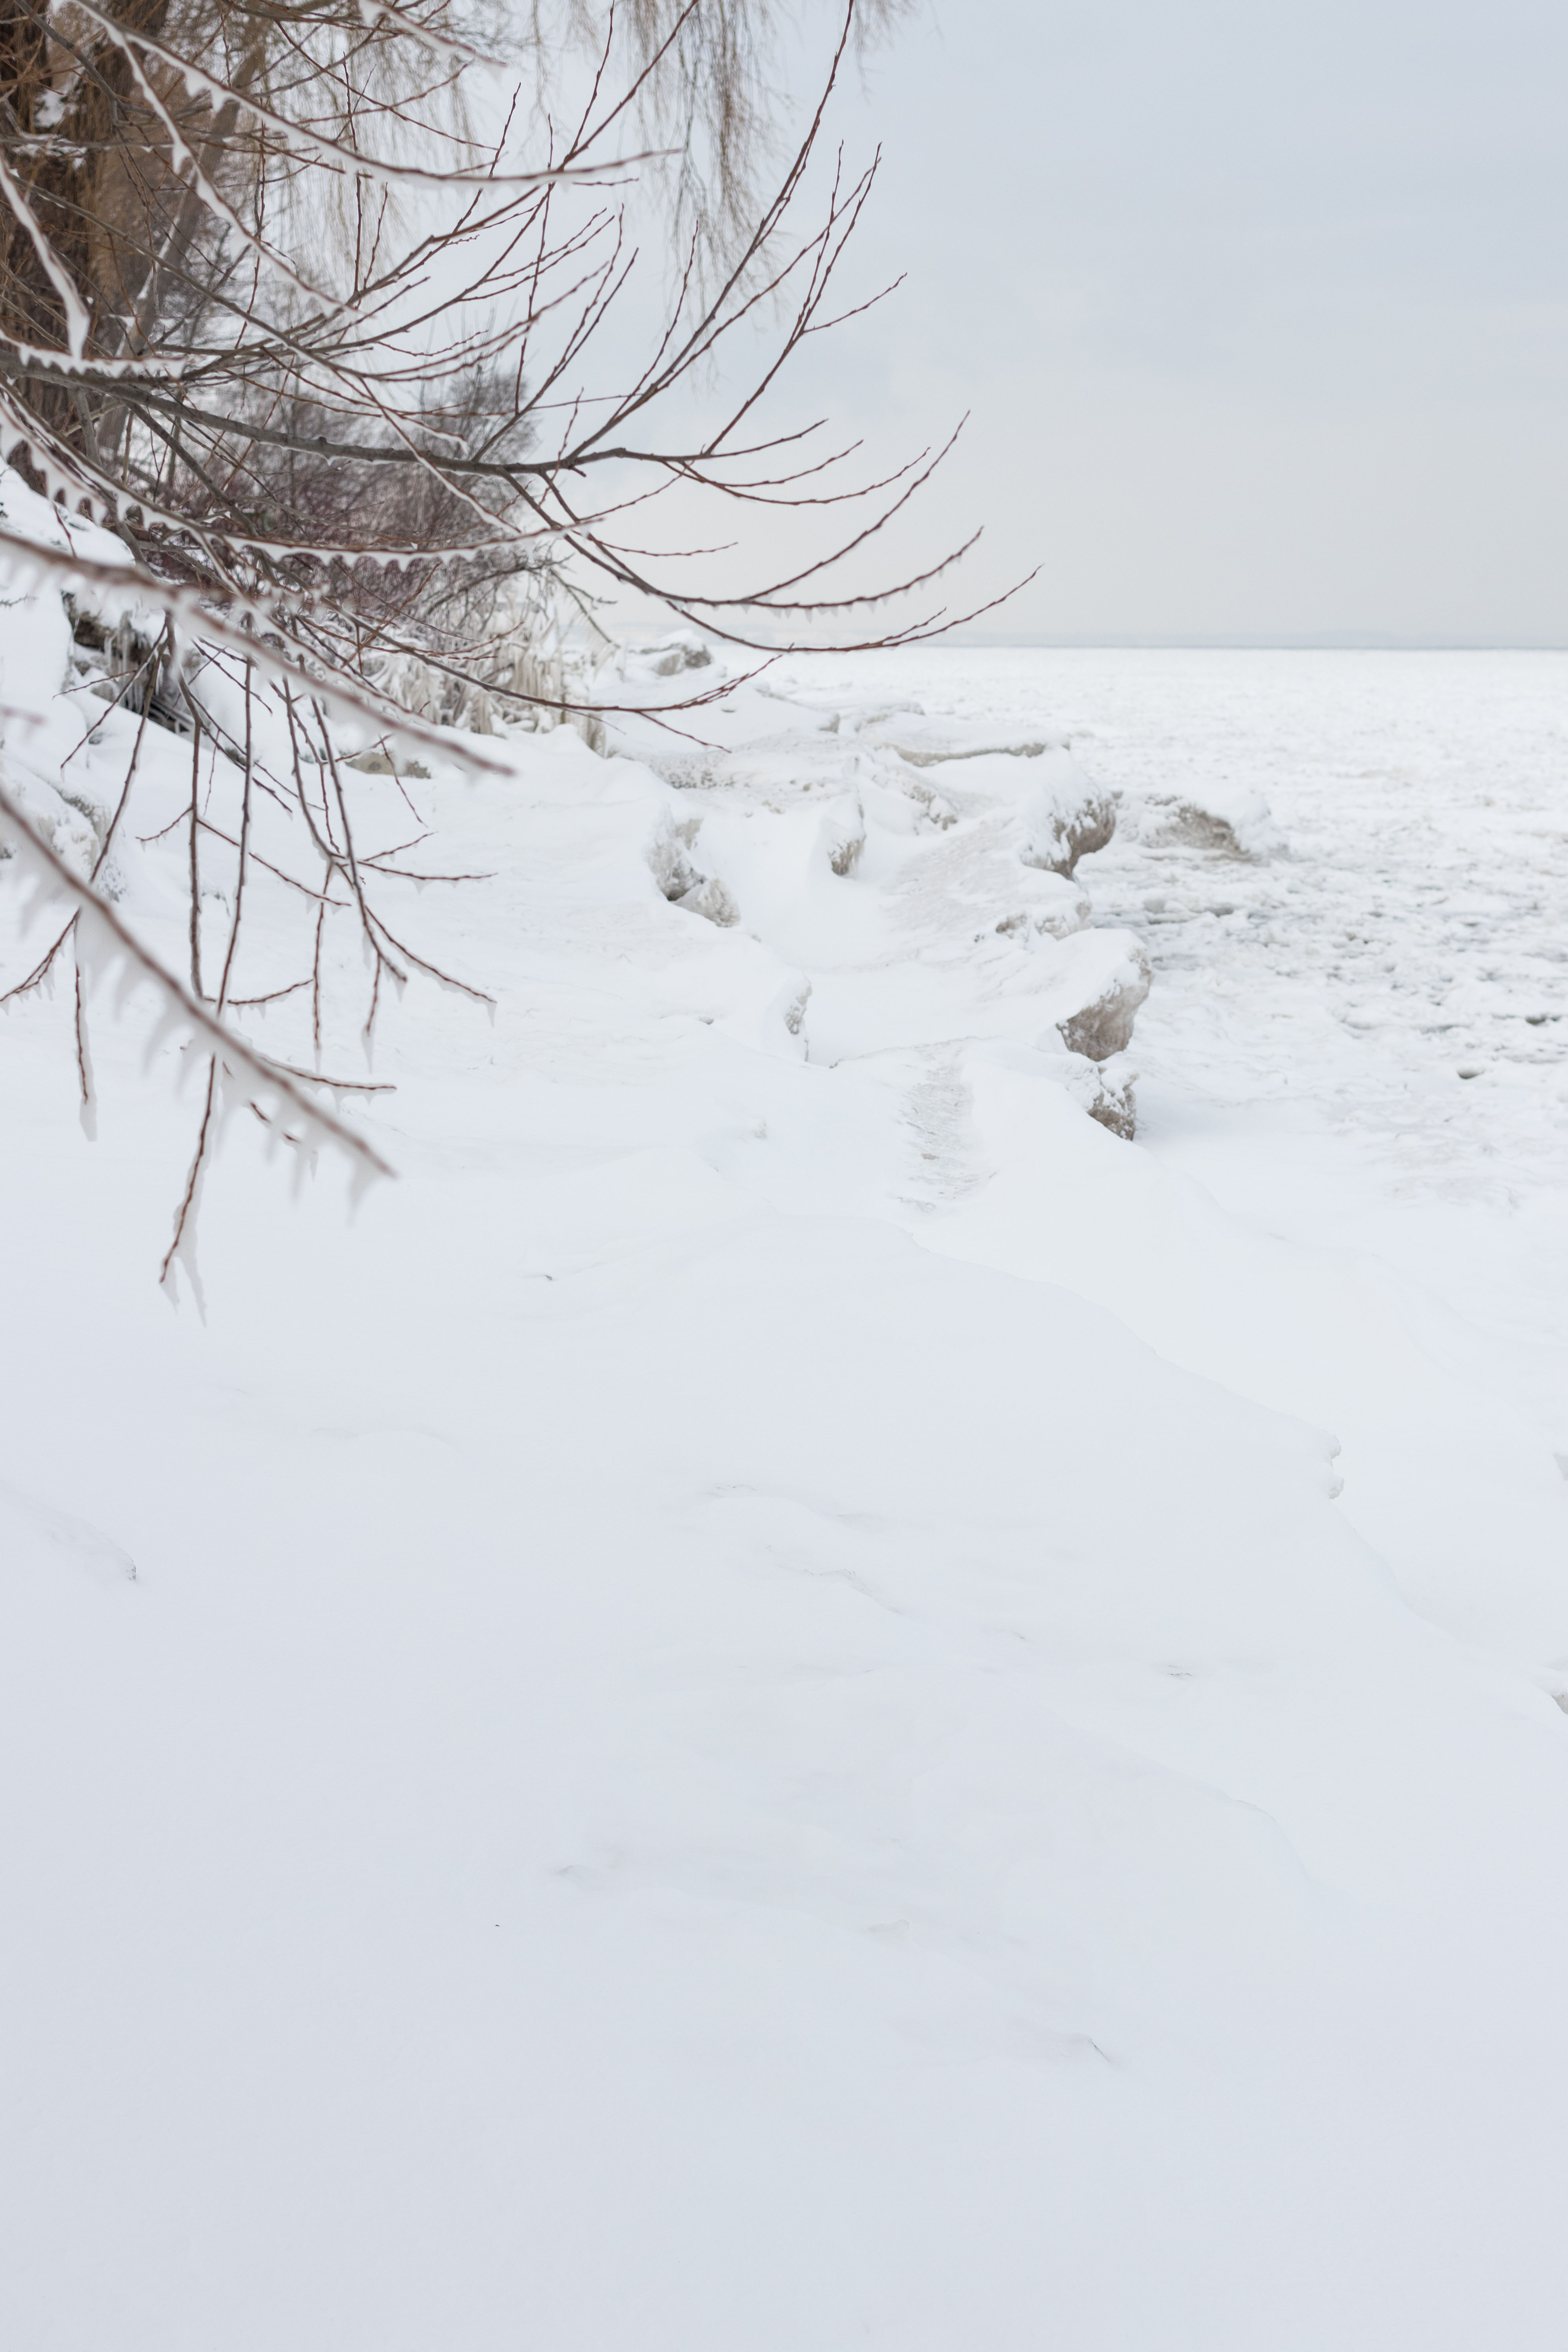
<point>342,391</point>
<point>238,1076</point>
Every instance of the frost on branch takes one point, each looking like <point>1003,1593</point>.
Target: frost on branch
<point>300,475</point>
<point>108,953</point>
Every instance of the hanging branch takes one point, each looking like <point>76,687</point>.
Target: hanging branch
<point>325,370</point>
<point>102,934</point>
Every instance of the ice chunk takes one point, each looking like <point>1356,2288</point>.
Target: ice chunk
<point>1104,1089</point>
<point>682,882</point>
<point>668,858</point>
<point>1227,820</point>
<point>843,834</point>
<point>709,898</point>
<point>1114,1104</point>
<point>1101,980</point>
<point>1056,909</point>
<point>668,655</point>
<point>924,742</point>
<point>1066,816</point>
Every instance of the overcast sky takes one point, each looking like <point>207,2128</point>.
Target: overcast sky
<point>1260,308</point>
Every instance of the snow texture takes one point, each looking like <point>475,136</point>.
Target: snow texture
<point>792,1697</point>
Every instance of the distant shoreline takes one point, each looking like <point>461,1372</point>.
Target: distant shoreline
<point>1363,643</point>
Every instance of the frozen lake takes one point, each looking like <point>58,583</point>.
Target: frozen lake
<point>1365,1042</point>
<point>1418,928</point>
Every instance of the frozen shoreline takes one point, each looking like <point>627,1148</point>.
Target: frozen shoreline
<point>1300,1051</point>
<point>751,1716</point>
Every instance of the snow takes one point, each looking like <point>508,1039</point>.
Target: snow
<point>792,1696</point>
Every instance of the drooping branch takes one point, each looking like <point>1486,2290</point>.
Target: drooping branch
<point>325,365</point>
<point>112,939</point>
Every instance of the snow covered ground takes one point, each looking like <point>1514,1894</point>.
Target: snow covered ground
<point>1358,1044</point>
<point>751,1716</point>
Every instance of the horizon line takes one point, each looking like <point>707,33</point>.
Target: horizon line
<point>1326,640</point>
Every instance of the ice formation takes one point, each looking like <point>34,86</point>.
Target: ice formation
<point>960,843</point>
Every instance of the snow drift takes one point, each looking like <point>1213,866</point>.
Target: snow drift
<point>718,1738</point>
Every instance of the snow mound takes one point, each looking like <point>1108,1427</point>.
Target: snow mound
<point>681,881</point>
<point>1066,817</point>
<point>1228,820</point>
<point>1105,1090</point>
<point>1099,980</point>
<point>668,657</point>
<point>917,914</point>
<point>1115,1106</point>
<point>766,1654</point>
<point>1057,907</point>
<point>843,835</point>
<point>927,742</point>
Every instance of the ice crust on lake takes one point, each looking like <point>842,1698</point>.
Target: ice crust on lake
<point>793,1698</point>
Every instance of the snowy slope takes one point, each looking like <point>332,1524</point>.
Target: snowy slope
<point>749,1715</point>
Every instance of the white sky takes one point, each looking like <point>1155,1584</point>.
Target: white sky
<point>1261,310</point>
